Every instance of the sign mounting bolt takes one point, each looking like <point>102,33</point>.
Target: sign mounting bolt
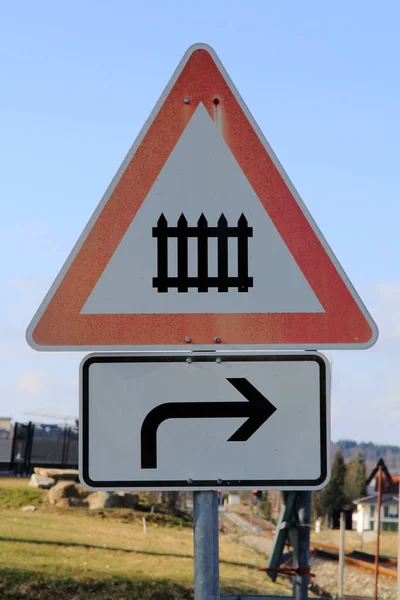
<point>217,340</point>
<point>190,480</point>
<point>186,100</point>
<point>188,340</point>
<point>189,360</point>
<point>218,360</point>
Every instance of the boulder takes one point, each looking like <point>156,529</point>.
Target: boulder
<point>82,491</point>
<point>71,501</point>
<point>97,500</point>
<point>40,481</point>
<point>63,489</point>
<point>58,474</point>
<point>63,503</point>
<point>29,508</point>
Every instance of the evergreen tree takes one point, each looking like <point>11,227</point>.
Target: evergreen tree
<point>317,505</point>
<point>333,496</point>
<point>354,481</point>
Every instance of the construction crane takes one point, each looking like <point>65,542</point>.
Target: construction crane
<point>65,418</point>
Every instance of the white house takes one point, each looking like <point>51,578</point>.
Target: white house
<point>365,516</point>
<point>233,499</point>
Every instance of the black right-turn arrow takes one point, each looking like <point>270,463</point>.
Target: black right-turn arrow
<point>257,408</point>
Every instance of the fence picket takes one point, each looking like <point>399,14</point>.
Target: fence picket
<point>161,233</point>
<point>202,254</point>
<point>222,254</point>
<point>243,254</point>
<point>182,254</point>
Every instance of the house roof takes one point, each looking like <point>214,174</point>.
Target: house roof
<point>390,483</point>
<point>373,499</point>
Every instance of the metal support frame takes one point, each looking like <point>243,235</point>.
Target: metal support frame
<point>206,551</point>
<point>294,523</point>
<point>288,520</point>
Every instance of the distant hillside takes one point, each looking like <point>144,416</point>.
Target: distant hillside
<point>371,452</point>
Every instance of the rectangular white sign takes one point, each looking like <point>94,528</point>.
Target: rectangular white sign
<point>205,421</point>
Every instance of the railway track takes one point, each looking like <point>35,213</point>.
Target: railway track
<point>357,558</point>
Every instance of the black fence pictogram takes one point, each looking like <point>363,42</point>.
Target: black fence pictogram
<point>163,232</point>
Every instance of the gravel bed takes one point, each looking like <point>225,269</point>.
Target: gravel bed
<point>357,582</point>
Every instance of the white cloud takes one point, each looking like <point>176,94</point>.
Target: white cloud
<point>31,382</point>
<point>42,383</point>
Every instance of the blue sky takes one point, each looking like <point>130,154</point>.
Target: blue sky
<point>80,78</point>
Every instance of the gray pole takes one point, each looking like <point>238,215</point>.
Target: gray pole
<point>301,554</point>
<point>378,539</point>
<point>398,549</point>
<point>341,556</point>
<point>206,555</point>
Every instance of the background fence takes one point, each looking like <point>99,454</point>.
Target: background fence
<point>35,445</point>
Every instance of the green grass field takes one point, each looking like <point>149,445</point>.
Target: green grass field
<point>367,542</point>
<point>52,553</point>
<point>15,493</point>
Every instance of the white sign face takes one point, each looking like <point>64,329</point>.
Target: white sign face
<point>205,421</point>
<point>191,172</point>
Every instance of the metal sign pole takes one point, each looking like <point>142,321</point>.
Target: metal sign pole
<point>398,547</point>
<point>301,546</point>
<point>206,552</point>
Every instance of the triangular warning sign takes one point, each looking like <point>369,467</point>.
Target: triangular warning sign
<point>201,238</point>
